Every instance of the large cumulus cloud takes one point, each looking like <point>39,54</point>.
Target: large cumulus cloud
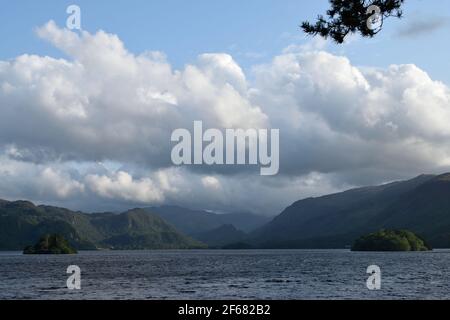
<point>341,125</point>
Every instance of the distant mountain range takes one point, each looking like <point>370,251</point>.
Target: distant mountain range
<point>193,222</point>
<point>421,205</point>
<point>213,229</point>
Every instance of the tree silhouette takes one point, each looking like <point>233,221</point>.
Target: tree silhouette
<point>351,16</point>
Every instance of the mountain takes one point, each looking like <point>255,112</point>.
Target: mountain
<point>22,223</point>
<point>222,236</point>
<point>139,229</point>
<point>194,222</point>
<point>421,205</point>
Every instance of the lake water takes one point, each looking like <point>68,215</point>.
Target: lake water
<point>258,274</point>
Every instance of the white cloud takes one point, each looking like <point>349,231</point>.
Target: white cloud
<point>108,104</point>
<point>340,125</point>
<point>211,183</point>
<point>34,181</point>
<point>58,183</point>
<point>122,186</point>
<point>342,118</point>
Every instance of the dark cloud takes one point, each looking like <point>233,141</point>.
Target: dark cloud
<point>421,26</point>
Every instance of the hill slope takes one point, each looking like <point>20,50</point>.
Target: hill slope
<point>421,205</point>
<point>222,236</point>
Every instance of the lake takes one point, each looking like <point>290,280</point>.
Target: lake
<point>252,274</point>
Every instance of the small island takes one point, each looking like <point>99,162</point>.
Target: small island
<point>51,244</point>
<point>391,240</point>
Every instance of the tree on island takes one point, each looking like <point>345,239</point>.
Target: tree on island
<point>351,16</point>
<point>391,240</point>
<point>51,244</point>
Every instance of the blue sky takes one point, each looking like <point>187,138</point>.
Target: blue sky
<point>253,31</point>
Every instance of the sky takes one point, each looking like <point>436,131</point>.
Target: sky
<point>87,115</point>
<point>253,31</point>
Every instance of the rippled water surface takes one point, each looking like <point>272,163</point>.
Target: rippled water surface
<point>265,274</point>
